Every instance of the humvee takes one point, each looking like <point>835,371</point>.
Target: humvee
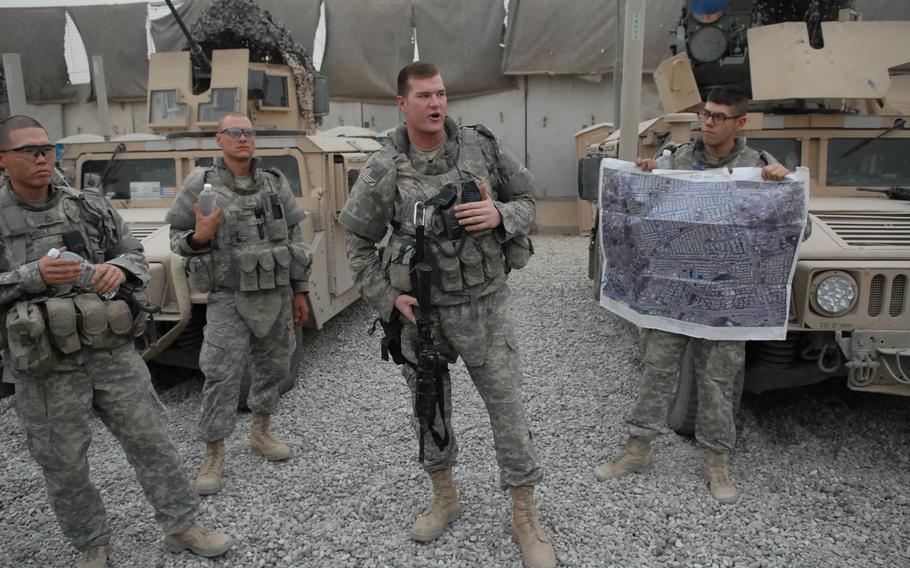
<point>141,173</point>
<point>835,110</point>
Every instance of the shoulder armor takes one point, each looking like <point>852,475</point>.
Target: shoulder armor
<point>379,165</point>
<point>194,180</point>
<point>482,130</point>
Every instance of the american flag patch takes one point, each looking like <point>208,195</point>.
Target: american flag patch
<point>369,175</point>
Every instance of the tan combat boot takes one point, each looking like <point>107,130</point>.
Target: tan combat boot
<point>717,470</point>
<point>635,458</point>
<point>262,443</point>
<point>442,510</point>
<point>209,479</point>
<point>199,540</point>
<point>95,557</point>
<point>536,550</point>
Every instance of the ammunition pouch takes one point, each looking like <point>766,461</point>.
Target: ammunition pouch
<point>282,257</point>
<point>200,271</point>
<point>39,333</point>
<point>466,263</point>
<point>263,268</point>
<point>30,351</point>
<point>517,252</point>
<point>396,262</point>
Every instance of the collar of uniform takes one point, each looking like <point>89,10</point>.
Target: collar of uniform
<point>446,157</point>
<point>227,176</point>
<point>53,195</point>
<point>711,161</point>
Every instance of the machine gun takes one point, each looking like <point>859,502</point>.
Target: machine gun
<point>893,192</point>
<point>202,66</point>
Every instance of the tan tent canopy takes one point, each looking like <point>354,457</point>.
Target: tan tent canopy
<point>112,32</point>
<point>36,34</point>
<point>367,43</point>
<point>464,40</point>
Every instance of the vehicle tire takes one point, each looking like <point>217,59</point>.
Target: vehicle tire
<point>293,371</point>
<point>681,416</point>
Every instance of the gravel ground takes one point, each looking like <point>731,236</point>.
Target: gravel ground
<point>823,472</point>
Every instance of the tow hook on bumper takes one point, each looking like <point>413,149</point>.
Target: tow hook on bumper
<point>875,354</point>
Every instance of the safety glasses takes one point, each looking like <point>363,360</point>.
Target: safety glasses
<point>238,132</point>
<point>46,150</point>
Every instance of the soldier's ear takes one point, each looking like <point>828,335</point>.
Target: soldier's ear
<point>401,102</point>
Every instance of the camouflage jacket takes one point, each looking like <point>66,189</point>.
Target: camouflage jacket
<point>395,178</point>
<point>250,222</point>
<point>694,156</point>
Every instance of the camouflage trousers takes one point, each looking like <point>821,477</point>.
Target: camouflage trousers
<point>716,364</point>
<point>226,348</point>
<point>484,337</point>
<point>55,413</point>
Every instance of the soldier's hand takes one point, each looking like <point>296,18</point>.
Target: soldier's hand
<point>646,164</point>
<point>206,225</point>
<point>59,270</point>
<point>405,305</point>
<point>774,172</point>
<point>107,277</point>
<point>478,215</point>
<point>301,309</point>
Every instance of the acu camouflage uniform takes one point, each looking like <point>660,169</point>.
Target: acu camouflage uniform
<point>257,259</point>
<point>716,363</point>
<point>469,293</point>
<point>66,367</point>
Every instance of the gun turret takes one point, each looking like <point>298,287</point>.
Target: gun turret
<point>202,66</point>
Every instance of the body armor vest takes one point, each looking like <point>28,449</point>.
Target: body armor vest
<point>470,264</point>
<point>250,250</point>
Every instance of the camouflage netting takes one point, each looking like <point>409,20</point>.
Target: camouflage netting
<point>235,24</point>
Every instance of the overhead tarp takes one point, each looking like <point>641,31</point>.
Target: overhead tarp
<point>579,36</point>
<point>300,17</point>
<point>464,40</point>
<point>883,9</point>
<point>111,32</point>
<point>367,43</point>
<point>166,33</point>
<point>36,34</point>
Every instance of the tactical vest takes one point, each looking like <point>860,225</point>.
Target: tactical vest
<point>464,266</point>
<point>250,251</point>
<point>39,330</point>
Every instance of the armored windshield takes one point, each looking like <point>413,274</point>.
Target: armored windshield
<point>879,163</point>
<point>133,178</point>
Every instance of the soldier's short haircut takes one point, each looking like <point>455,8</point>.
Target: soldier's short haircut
<point>415,70</point>
<point>16,122</point>
<point>232,114</point>
<point>730,96</point>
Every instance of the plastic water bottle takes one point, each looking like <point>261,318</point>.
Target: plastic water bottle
<point>84,282</point>
<point>207,199</point>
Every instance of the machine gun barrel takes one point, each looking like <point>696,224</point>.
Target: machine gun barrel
<point>201,62</point>
<point>894,192</point>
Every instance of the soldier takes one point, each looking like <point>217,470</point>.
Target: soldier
<point>64,366</point>
<point>468,292</point>
<point>717,363</point>
<point>250,256</point>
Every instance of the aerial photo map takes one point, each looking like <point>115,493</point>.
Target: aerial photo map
<point>704,253</point>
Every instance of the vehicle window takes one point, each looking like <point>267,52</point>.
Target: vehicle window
<point>285,164</point>
<point>881,162</point>
<point>133,179</point>
<point>276,94</point>
<point>785,150</point>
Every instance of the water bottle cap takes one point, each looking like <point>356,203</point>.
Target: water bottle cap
<point>206,187</point>
<point>53,253</point>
